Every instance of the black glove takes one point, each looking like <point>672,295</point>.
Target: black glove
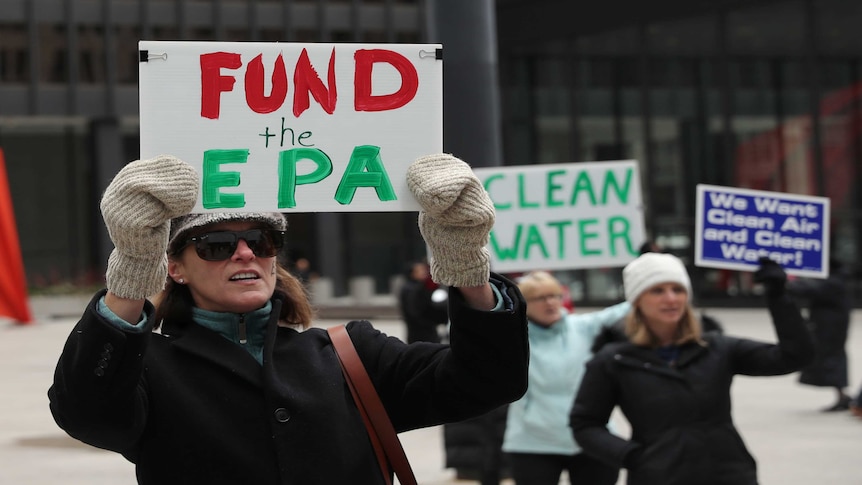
<point>772,276</point>
<point>633,458</point>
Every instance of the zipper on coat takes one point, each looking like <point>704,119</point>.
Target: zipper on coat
<point>243,335</point>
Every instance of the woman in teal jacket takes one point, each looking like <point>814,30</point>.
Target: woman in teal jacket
<point>538,438</point>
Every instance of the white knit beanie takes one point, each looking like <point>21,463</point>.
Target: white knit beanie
<point>651,269</point>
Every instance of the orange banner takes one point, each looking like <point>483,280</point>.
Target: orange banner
<point>14,302</point>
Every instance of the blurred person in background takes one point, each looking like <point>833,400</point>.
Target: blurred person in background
<point>302,271</point>
<point>856,404</point>
<point>423,313</point>
<point>538,440</point>
<point>473,448</point>
<point>828,304</point>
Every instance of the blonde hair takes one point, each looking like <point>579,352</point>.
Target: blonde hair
<point>531,283</point>
<point>638,332</point>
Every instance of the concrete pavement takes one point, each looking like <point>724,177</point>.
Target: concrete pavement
<point>778,418</point>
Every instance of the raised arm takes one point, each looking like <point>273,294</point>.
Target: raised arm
<point>795,346</point>
<point>98,395</point>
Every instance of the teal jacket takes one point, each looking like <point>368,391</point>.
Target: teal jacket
<point>539,421</point>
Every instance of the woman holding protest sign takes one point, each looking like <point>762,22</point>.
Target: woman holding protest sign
<point>236,388</point>
<point>672,382</point>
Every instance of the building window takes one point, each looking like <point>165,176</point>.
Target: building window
<point>91,54</point>
<point>272,35</point>
<point>14,61</point>
<point>774,29</point>
<point>237,35</point>
<point>404,37</point>
<point>54,56</point>
<point>202,33</point>
<point>127,38</point>
<point>342,36</point>
<point>837,27</point>
<point>374,36</point>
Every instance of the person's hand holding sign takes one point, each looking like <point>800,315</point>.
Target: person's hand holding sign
<point>772,276</point>
<point>456,220</point>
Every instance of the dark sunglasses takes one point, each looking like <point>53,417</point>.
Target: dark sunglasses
<point>220,245</point>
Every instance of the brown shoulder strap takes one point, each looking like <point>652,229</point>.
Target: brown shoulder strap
<point>387,446</point>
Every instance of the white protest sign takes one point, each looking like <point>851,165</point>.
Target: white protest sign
<point>736,227</point>
<point>565,216</point>
<point>293,127</point>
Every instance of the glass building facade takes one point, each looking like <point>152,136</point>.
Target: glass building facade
<point>69,120</point>
<point>759,94</point>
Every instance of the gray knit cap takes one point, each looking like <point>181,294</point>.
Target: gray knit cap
<point>181,226</point>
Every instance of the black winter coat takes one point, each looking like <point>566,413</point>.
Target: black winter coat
<point>828,302</point>
<point>477,443</point>
<point>190,407</point>
<point>681,416</point>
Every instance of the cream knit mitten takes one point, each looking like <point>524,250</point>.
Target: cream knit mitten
<point>137,208</point>
<point>456,218</point>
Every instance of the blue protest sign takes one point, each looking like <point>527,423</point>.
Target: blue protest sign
<point>736,227</point>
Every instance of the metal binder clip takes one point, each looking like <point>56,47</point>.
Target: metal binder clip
<point>436,54</point>
<point>146,56</point>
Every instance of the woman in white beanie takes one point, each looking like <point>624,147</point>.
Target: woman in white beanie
<point>672,382</point>
<point>237,388</point>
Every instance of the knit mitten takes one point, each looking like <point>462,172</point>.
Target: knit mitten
<point>456,218</point>
<point>137,208</point>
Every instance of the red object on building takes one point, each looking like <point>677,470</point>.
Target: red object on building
<point>782,158</point>
<point>568,303</point>
<point>14,302</point>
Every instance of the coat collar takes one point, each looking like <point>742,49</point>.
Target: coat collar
<point>644,357</point>
<point>214,348</point>
<point>217,350</point>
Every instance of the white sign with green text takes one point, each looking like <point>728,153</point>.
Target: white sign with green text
<point>293,127</point>
<point>565,216</point>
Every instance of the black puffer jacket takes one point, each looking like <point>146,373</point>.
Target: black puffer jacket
<point>682,430</point>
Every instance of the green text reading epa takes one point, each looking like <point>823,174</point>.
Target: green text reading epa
<point>365,169</point>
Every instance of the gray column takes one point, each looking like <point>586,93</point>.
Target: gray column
<point>108,160</point>
<point>331,249</point>
<point>471,94</point>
